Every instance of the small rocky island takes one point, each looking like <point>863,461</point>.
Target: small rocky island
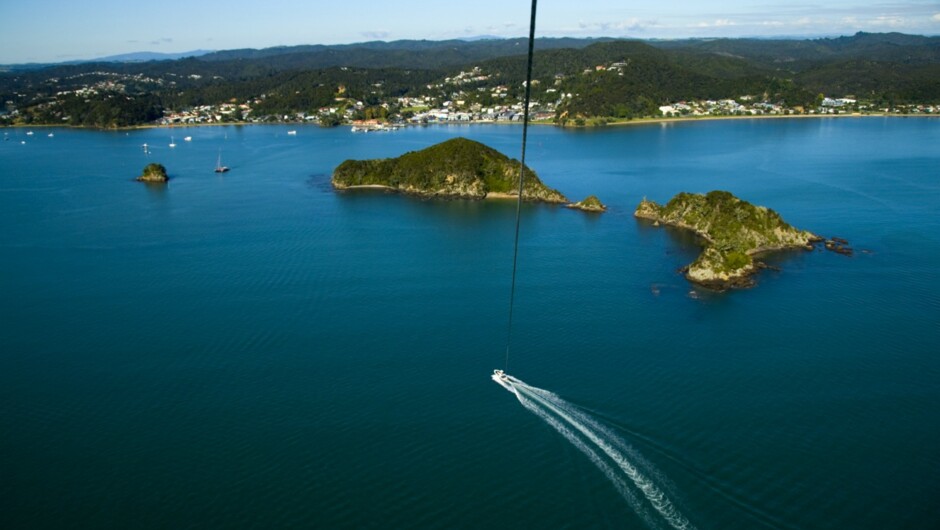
<point>154,173</point>
<point>733,230</point>
<point>590,204</point>
<point>458,168</point>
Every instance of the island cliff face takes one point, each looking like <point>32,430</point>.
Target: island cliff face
<point>734,231</point>
<point>457,168</point>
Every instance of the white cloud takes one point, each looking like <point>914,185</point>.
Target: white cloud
<point>631,25</point>
<point>376,35</point>
<point>508,28</point>
<point>889,21</point>
<point>719,23</point>
<point>936,18</point>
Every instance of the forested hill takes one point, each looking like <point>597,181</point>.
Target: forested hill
<point>797,55</point>
<point>423,54</point>
<point>575,79</point>
<point>892,66</point>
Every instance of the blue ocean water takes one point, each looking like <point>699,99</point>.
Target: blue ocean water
<point>253,349</point>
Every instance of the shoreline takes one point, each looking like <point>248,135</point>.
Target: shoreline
<point>615,123</point>
<point>492,195</point>
<point>642,121</point>
<point>495,195</point>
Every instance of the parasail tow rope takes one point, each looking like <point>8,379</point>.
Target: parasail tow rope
<point>525,130</point>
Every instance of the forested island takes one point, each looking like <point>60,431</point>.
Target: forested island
<point>733,231</point>
<point>457,168</point>
<point>576,82</point>
<point>590,204</point>
<point>154,173</point>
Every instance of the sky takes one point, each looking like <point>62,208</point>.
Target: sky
<point>64,30</point>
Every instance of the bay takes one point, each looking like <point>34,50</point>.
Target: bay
<point>253,349</point>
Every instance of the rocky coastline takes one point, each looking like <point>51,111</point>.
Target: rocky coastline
<point>734,232</point>
<point>590,204</point>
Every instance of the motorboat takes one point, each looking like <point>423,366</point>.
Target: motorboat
<point>504,380</point>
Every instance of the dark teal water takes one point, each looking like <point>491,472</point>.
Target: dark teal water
<point>255,350</point>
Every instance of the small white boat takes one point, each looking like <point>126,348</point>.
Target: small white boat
<point>500,377</point>
<point>29,133</point>
<point>172,142</point>
<point>188,139</point>
<point>51,135</point>
<point>292,133</point>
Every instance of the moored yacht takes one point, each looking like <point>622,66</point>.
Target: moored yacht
<point>219,168</point>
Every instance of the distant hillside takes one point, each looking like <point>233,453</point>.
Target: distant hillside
<point>133,57</point>
<point>578,81</point>
<point>642,77</point>
<point>796,55</point>
<point>139,57</point>
<point>247,63</point>
<point>423,54</point>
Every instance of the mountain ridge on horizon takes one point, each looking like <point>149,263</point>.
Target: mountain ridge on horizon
<point>488,45</point>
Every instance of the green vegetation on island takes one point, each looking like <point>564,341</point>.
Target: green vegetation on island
<point>590,204</point>
<point>733,230</point>
<point>457,168</point>
<point>154,173</point>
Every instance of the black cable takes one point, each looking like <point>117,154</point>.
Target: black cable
<point>525,131</point>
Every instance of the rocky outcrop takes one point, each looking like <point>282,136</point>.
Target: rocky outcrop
<point>457,168</point>
<point>839,246</point>
<point>589,204</point>
<point>734,231</point>
<point>154,173</point>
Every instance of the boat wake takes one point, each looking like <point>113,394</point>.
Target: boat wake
<point>634,478</point>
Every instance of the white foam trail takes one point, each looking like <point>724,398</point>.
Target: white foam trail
<point>539,401</point>
<point>619,484</point>
<point>635,457</point>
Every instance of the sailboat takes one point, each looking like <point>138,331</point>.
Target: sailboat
<point>172,142</point>
<point>219,168</point>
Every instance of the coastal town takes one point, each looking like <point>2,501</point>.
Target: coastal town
<point>452,102</point>
<point>470,96</point>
